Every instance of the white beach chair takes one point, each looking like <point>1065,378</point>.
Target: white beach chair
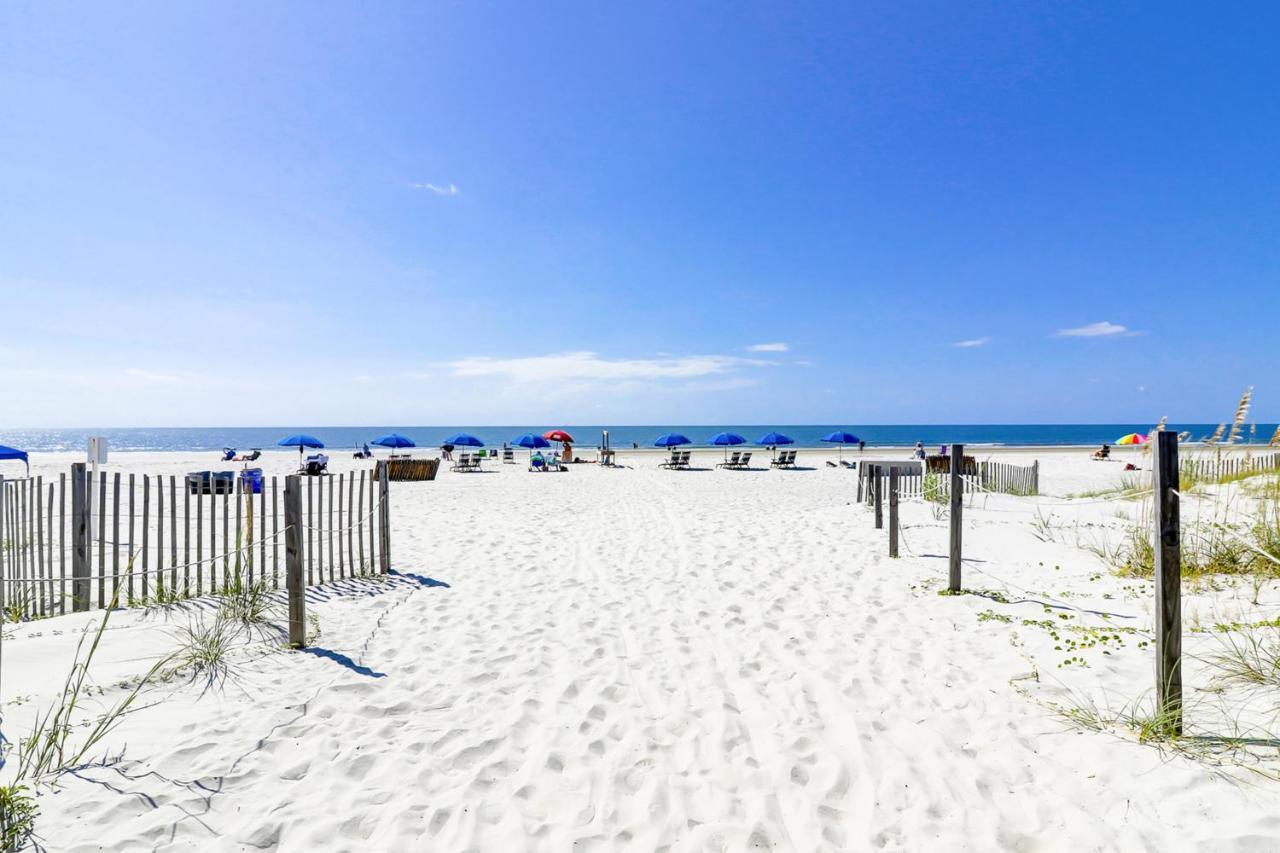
<point>732,462</point>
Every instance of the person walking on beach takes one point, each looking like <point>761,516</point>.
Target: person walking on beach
<point>446,452</point>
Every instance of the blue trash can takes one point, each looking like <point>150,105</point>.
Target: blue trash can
<point>251,480</point>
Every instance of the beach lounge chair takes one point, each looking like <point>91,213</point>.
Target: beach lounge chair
<point>249,457</point>
<point>316,465</point>
<point>785,459</point>
<point>732,462</point>
<point>673,461</point>
<point>537,462</point>
<point>508,456</point>
<point>745,462</point>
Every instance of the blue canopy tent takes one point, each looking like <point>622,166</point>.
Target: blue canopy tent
<point>727,440</point>
<point>15,453</point>
<point>840,439</point>
<point>301,441</point>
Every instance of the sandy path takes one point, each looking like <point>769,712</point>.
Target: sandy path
<point>643,660</point>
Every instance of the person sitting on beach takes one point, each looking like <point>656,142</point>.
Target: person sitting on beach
<point>919,450</point>
<point>1103,452</point>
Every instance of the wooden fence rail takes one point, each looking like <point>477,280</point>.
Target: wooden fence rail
<point>154,544</point>
<point>914,482</point>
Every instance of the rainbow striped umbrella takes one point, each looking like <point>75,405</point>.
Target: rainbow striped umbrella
<point>1132,438</point>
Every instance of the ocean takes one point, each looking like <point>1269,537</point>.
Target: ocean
<point>621,437</point>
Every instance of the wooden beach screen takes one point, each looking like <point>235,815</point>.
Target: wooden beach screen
<point>154,545</point>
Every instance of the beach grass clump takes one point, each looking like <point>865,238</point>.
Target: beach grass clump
<point>49,748</point>
<point>17,816</point>
<point>204,645</point>
<point>251,604</point>
<point>1249,658</point>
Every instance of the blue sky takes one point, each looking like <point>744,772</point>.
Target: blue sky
<point>332,213</point>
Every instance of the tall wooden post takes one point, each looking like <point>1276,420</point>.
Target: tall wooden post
<point>893,511</point>
<point>957,498</point>
<point>293,561</point>
<point>878,493</point>
<point>80,534</point>
<point>384,498</point>
<point>1168,578</point>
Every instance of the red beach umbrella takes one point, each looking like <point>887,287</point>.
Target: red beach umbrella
<point>557,435</point>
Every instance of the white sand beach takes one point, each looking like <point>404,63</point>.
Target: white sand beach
<point>652,660</point>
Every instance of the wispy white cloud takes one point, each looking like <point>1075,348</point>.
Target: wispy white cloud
<point>585,366</point>
<point>972,342</point>
<point>450,189</point>
<point>774,347</point>
<point>1103,329</point>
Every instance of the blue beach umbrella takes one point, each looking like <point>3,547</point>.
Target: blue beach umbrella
<point>531,441</point>
<point>671,439</point>
<point>395,441</point>
<point>772,439</point>
<point>840,438</point>
<point>300,441</point>
<point>15,453</point>
<point>461,439</point>
<point>726,440</point>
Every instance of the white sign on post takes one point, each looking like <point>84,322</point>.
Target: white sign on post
<point>97,456</point>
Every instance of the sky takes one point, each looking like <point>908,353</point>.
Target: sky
<point>490,213</point>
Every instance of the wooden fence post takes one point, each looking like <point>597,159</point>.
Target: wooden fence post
<point>1168,578</point>
<point>893,511</point>
<point>957,497</point>
<point>293,561</point>
<point>384,498</point>
<point>877,490</point>
<point>80,585</point>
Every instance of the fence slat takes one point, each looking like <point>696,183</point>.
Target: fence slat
<point>129,554</point>
<point>62,541</point>
<point>199,543</point>
<point>360,524</point>
<point>275,536</point>
<point>341,560</point>
<point>330,551</point>
<point>310,540</point>
<point>146,533</point>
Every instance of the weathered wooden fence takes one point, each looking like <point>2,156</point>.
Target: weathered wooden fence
<point>1219,467</point>
<point>916,482</point>
<point>77,542</point>
<point>1010,479</point>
